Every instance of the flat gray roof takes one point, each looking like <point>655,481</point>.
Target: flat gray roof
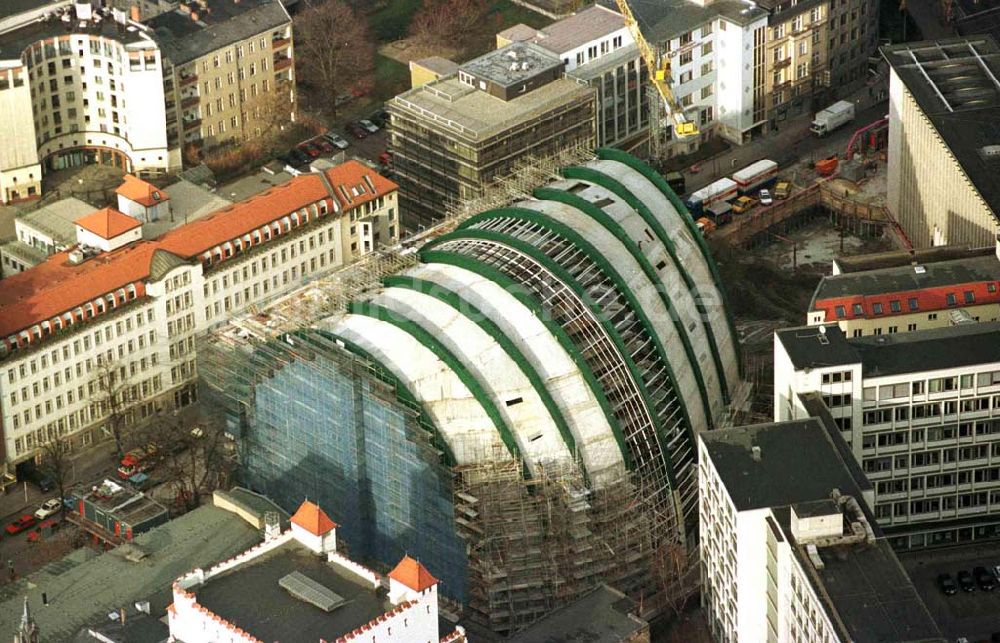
<point>474,114</point>
<point>438,65</point>
<point>183,39</point>
<point>275,614</point>
<point>56,219</point>
<point>85,585</point>
<point>577,30</point>
<point>955,83</point>
<point>188,202</point>
<point>896,353</point>
<point>512,64</point>
<point>661,20</point>
<point>602,616</point>
<point>799,463</point>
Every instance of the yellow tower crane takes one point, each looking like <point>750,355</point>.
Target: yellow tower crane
<point>659,73</point>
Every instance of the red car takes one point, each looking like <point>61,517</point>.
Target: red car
<point>27,521</point>
<point>310,149</point>
<point>326,146</point>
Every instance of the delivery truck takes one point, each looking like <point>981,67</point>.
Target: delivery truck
<point>832,117</point>
<point>721,190</point>
<point>756,176</point>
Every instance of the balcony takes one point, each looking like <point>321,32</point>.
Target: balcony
<point>194,123</point>
<point>187,80</point>
<point>189,101</point>
<point>282,62</point>
<point>278,43</point>
<point>781,64</point>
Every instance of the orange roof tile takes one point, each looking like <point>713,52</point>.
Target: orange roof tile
<point>239,219</point>
<point>412,574</point>
<point>145,194</point>
<point>108,223</point>
<point>56,286</point>
<point>313,519</point>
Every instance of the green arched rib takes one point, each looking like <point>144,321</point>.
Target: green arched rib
<point>403,393</point>
<point>612,226</point>
<point>541,259</point>
<point>618,189</point>
<point>608,154</point>
<point>592,253</point>
<point>476,316</point>
<point>431,343</point>
<point>518,292</point>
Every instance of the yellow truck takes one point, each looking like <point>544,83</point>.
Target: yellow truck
<point>782,189</point>
<point>744,204</point>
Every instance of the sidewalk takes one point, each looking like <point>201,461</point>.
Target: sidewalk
<point>793,146</point>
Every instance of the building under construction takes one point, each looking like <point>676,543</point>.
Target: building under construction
<point>515,404</point>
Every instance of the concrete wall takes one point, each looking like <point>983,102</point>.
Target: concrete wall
<point>20,173</point>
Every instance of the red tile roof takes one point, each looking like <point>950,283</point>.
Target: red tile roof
<point>145,194</point>
<point>241,218</point>
<point>57,286</point>
<point>927,300</point>
<point>108,223</point>
<point>412,574</point>
<point>313,519</point>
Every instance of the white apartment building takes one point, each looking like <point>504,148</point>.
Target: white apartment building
<point>921,413</point>
<point>297,586</point>
<point>137,305</point>
<point>789,549</point>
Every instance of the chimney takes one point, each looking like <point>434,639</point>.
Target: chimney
<point>135,13</point>
<point>194,16</point>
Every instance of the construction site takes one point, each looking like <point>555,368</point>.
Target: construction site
<point>493,398</point>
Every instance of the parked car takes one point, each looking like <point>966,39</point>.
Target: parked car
<point>49,508</point>
<point>765,197</point>
<point>947,585</point>
<point>744,204</point>
<point>782,189</point>
<point>310,149</point>
<point>985,579</point>
<point>355,130</point>
<point>369,126</point>
<point>286,158</point>
<point>298,157</point>
<point>40,480</point>
<point>337,140</point>
<point>380,118</point>
<point>323,144</point>
<point>27,521</point>
<point>965,581</point>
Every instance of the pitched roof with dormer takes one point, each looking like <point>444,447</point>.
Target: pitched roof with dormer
<point>313,519</point>
<point>411,573</point>
<point>145,194</point>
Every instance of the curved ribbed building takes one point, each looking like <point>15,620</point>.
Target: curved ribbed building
<point>559,352</point>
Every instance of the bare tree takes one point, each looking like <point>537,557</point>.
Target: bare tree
<point>55,463</point>
<point>114,395</point>
<point>448,21</point>
<point>195,453</point>
<point>335,51</point>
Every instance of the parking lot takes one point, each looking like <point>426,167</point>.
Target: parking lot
<point>973,615</point>
<point>371,147</point>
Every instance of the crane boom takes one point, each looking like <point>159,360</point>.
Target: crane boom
<point>659,73</point>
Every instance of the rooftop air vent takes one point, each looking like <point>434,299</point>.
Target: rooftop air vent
<point>307,590</point>
<point>919,270</point>
<point>990,151</point>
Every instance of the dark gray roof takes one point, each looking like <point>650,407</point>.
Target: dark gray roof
<point>84,586</point>
<point>798,463</point>
<point>896,258</point>
<point>660,20</point>
<point>905,278</point>
<point>14,7</point>
<point>927,350</point>
<point>808,347</point>
<point>870,594</point>
<point>813,508</point>
<point>274,614</point>
<point>960,94</point>
<point>602,616</point>
<point>183,39</point>
<point>879,355</point>
<point>14,42</point>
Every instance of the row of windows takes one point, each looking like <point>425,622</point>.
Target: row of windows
<point>929,458</point>
<point>936,385</point>
<point>934,505</point>
<point>950,432</point>
<point>912,304</point>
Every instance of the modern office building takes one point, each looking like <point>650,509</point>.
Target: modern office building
<point>453,137</point>
<point>551,361</point>
<point>904,291</point>
<point>944,148</point>
<point>921,413</point>
<point>597,48</point>
<point>114,300</point>
<point>738,70</point>
<point>297,585</point>
<point>790,550</point>
<point>81,82</point>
